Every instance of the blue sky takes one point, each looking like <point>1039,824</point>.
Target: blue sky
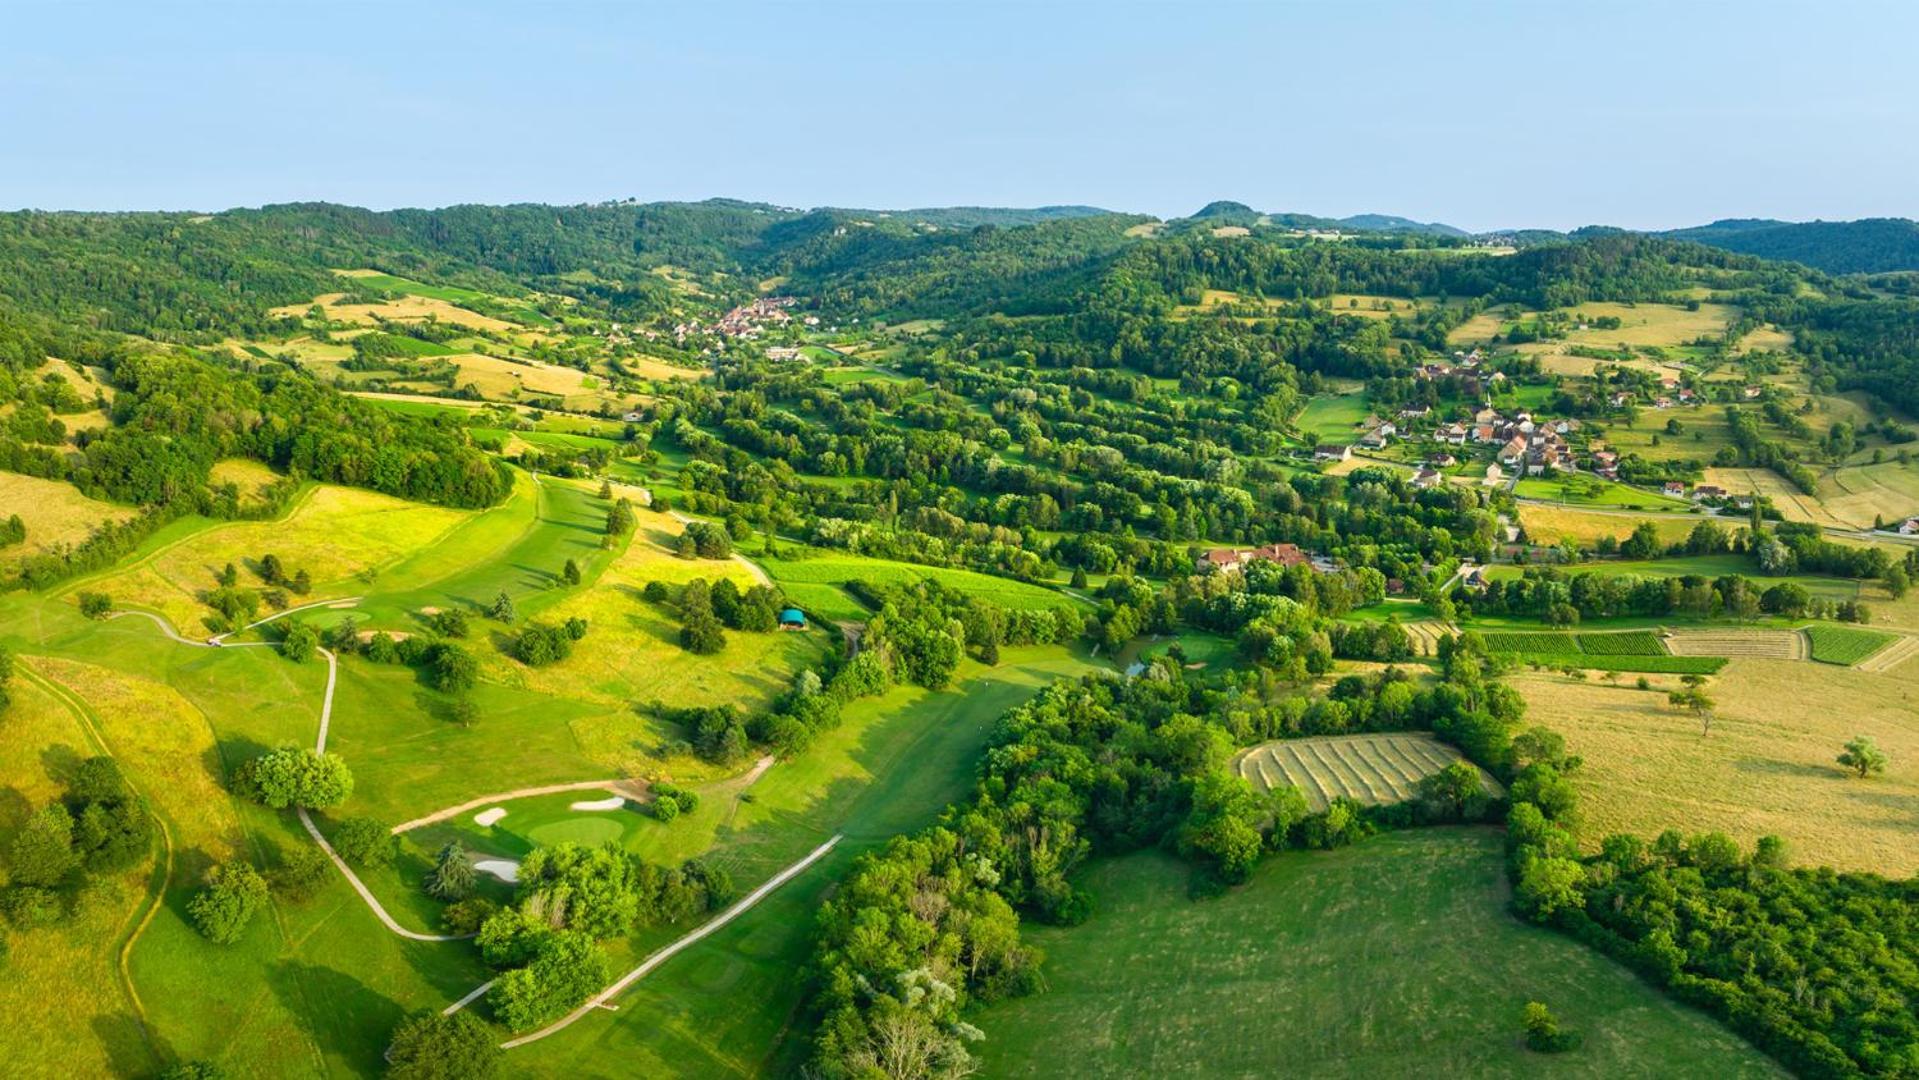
<point>1484,115</point>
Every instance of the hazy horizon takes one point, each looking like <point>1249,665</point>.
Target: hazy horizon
<point>1483,116</point>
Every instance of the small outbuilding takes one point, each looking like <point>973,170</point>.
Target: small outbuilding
<point>792,619</point>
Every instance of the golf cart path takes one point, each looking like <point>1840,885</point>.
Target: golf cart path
<point>326,720</point>
<point>629,788</point>
<point>740,907</point>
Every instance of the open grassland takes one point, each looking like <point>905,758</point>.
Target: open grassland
<point>1845,645</point>
<point>1374,770</point>
<point>838,569</point>
<point>338,535</point>
<point>1792,504</point>
<point>67,1012</point>
<point>55,513</point>
<point>244,473</point>
<point>1395,957</point>
<point>1332,417</point>
<point>500,379</point>
<point>1767,644</point>
<point>1552,524</point>
<point>1861,495</point>
<point>1591,491</point>
<point>1766,766</point>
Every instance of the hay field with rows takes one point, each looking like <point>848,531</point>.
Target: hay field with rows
<point>1374,770</point>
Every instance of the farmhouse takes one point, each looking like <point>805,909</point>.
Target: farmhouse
<point>1332,452</point>
<point>1426,477</point>
<point>1232,560</point>
<point>1909,527</point>
<point>1514,451</point>
<point>1707,491</point>
<point>1676,489</point>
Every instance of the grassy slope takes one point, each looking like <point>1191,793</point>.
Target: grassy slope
<point>1393,958</point>
<point>1763,768</point>
<point>725,1006</point>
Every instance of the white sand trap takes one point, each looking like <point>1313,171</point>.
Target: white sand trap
<point>610,803</point>
<point>429,611</point>
<point>505,869</point>
<point>488,817</point>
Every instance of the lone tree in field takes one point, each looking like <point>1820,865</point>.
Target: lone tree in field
<point>1696,702</point>
<point>452,875</point>
<point>1863,756</point>
<point>1543,1032</point>
<point>234,892</point>
<point>502,608</point>
<point>429,1046</point>
<point>570,573</point>
<point>295,776</point>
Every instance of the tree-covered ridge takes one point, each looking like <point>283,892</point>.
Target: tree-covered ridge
<point>1867,246</point>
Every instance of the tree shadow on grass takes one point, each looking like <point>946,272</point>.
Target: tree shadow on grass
<point>61,763</point>
<point>14,808</point>
<point>131,1050</point>
<point>341,1014</point>
<point>1797,770</point>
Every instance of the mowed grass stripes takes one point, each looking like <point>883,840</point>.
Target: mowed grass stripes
<point>1373,770</point>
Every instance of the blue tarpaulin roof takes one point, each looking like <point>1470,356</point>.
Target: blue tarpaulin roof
<point>792,614</point>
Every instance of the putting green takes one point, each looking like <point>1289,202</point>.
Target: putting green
<point>590,831</point>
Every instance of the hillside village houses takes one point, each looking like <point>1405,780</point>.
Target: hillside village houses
<point>1233,560</point>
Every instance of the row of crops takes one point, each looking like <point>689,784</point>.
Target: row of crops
<point>1625,650</point>
<point>1844,644</point>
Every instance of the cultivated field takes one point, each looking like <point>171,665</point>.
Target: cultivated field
<point>1766,766</point>
<point>1845,645</point>
<point>1765,644</point>
<point>1394,957</point>
<point>1551,524</point>
<point>1374,770</point>
<point>1425,635</point>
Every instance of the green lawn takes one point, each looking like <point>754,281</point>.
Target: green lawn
<point>1590,491</point>
<point>1332,417</point>
<point>1397,957</point>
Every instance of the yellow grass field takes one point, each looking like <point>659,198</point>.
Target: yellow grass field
<point>333,533</point>
<point>249,475</point>
<point>55,513</point>
<point>647,367</point>
<point>1792,504</point>
<point>1767,338</point>
<point>632,652</point>
<point>1551,524</point>
<point>1661,325</point>
<point>1227,231</point>
<point>498,378</point>
<point>1763,768</point>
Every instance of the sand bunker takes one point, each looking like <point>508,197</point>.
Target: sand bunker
<point>610,803</point>
<point>505,869</point>
<point>488,817</point>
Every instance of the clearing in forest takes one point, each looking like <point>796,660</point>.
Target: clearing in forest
<point>55,514</point>
<point>1374,770</point>
<point>1309,968</point>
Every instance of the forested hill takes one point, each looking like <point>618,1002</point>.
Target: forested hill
<point>1867,246</point>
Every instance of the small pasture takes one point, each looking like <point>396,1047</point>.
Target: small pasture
<point>55,513</point>
<point>1374,770</point>
<point>1766,765</point>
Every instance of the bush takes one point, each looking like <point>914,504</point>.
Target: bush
<point>232,895</point>
<point>364,842</point>
<point>29,906</point>
<point>467,916</point>
<point>42,852</point>
<point>1543,1033</point>
<point>540,644</point>
<point>95,605</point>
<point>450,623</point>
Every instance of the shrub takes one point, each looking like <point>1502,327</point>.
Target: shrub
<point>1543,1033</point>
<point>95,605</point>
<point>232,895</point>
<point>467,916</point>
<point>450,623</point>
<point>302,872</point>
<point>42,852</point>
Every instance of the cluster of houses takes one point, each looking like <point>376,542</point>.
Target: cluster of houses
<point>1234,560</point>
<point>747,320</point>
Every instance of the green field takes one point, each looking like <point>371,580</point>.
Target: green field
<point>1332,417</point>
<point>1844,645</point>
<point>837,569</point>
<point>1396,957</point>
<point>1591,491</point>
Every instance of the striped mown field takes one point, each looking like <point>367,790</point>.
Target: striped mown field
<point>1374,770</point>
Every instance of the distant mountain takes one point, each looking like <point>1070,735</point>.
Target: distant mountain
<point>1392,223</point>
<point>1867,246</point>
<point>967,217</point>
<point>1226,212</point>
